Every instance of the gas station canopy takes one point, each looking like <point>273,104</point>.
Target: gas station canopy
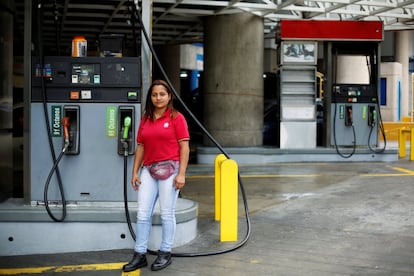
<point>181,21</point>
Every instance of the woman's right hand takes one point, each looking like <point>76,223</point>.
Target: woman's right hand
<point>135,181</point>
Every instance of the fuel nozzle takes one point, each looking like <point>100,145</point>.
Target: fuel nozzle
<point>372,116</point>
<point>348,115</point>
<point>127,125</point>
<point>126,122</point>
<point>125,134</point>
<point>66,125</point>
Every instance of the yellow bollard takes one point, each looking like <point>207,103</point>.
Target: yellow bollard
<point>402,142</point>
<point>229,201</point>
<point>412,145</point>
<point>217,184</point>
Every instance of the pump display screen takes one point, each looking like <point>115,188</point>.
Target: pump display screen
<point>353,69</point>
<point>86,73</point>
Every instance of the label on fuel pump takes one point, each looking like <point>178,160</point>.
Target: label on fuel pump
<point>56,121</point>
<point>364,112</point>
<point>341,112</point>
<point>111,121</point>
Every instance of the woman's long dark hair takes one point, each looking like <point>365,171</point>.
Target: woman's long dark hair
<point>149,106</point>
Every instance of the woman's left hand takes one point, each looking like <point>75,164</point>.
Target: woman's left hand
<point>179,182</point>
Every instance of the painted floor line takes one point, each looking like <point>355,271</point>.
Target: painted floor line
<point>405,172</point>
<point>259,176</point>
<point>386,174</point>
<point>66,268</point>
<point>279,175</point>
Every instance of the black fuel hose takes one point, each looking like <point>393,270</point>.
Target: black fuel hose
<point>381,126</point>
<point>128,217</point>
<point>46,189</point>
<point>205,131</point>
<point>343,155</point>
<point>47,122</point>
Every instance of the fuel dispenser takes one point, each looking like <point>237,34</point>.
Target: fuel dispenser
<point>93,106</point>
<point>354,99</point>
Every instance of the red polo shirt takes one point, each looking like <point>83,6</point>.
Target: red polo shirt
<point>160,137</point>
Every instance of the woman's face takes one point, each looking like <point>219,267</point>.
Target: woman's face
<point>160,97</point>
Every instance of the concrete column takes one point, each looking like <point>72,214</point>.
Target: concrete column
<point>169,56</point>
<point>146,55</point>
<point>403,45</point>
<point>233,74</point>
<point>392,71</point>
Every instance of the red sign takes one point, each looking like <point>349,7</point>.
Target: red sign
<point>331,30</point>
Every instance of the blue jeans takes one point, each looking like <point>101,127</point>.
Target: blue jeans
<point>148,192</point>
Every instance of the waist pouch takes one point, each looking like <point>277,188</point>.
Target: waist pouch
<point>163,169</point>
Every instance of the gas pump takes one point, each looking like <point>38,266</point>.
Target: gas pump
<point>355,95</point>
<point>91,103</point>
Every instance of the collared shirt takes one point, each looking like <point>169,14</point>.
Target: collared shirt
<point>161,137</point>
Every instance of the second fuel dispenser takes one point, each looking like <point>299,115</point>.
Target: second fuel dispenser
<point>355,96</point>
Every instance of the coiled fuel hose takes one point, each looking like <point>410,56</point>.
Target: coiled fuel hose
<point>56,161</point>
<point>343,155</point>
<point>46,189</point>
<point>377,119</point>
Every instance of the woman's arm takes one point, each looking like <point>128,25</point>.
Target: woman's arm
<point>179,180</point>
<point>139,155</point>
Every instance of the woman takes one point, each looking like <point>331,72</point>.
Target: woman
<point>162,157</point>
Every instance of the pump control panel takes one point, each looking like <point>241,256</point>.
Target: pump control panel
<point>87,79</point>
<point>349,93</point>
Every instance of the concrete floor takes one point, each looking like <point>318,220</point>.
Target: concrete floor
<point>354,218</point>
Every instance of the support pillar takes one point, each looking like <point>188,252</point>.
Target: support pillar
<point>146,55</point>
<point>169,56</point>
<point>403,45</point>
<point>233,73</point>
